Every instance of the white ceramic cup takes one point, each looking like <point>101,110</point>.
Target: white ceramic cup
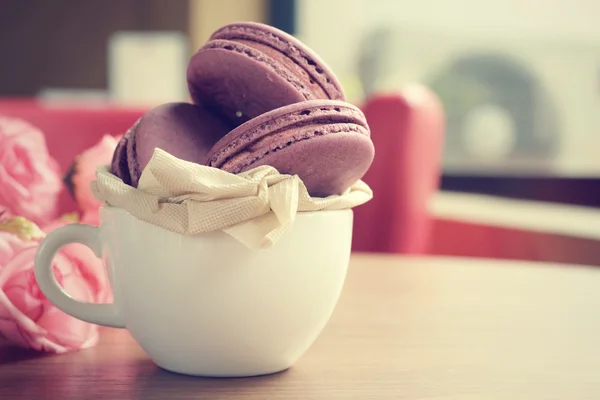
<point>207,305</point>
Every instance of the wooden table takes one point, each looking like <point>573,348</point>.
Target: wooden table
<point>405,328</point>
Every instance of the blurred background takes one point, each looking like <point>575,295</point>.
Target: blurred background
<point>519,82</point>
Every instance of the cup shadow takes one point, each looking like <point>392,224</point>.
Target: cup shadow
<point>154,379</point>
<point>12,354</point>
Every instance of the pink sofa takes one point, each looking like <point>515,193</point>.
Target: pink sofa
<point>70,129</point>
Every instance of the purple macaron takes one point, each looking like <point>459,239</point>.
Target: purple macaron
<point>247,69</point>
<point>120,163</point>
<point>184,130</point>
<point>326,143</point>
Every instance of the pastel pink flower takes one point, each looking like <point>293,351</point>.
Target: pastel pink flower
<point>91,218</point>
<point>4,213</point>
<point>84,172</point>
<point>91,266</point>
<point>29,177</point>
<point>9,245</point>
<point>27,318</point>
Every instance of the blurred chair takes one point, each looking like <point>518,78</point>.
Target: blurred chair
<point>407,129</point>
<point>483,226</point>
<point>70,128</point>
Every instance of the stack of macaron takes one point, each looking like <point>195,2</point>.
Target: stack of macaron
<point>259,97</point>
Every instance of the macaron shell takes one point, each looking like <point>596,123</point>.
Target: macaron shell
<point>247,69</point>
<point>327,165</point>
<point>183,130</point>
<point>306,81</point>
<point>120,163</point>
<point>279,44</point>
<point>132,163</point>
<point>241,83</point>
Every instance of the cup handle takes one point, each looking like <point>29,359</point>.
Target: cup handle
<point>99,314</point>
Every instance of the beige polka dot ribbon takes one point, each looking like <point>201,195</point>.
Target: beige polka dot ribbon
<point>255,207</point>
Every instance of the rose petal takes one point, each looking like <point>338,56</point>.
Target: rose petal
<point>28,319</point>
<point>29,176</point>
<point>85,172</point>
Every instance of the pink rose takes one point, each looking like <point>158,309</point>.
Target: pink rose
<point>28,318</point>
<point>4,213</point>
<point>15,234</point>
<point>83,172</point>
<point>91,218</point>
<point>29,177</point>
<point>70,218</point>
<point>90,265</point>
<point>8,242</point>
<point>9,245</point>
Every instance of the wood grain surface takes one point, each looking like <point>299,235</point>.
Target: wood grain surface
<point>405,328</point>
